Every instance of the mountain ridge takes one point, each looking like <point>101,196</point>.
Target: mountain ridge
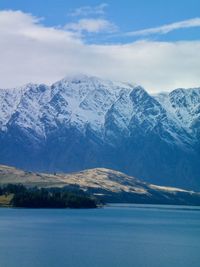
<point>84,122</point>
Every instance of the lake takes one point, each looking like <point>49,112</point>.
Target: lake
<point>114,236</point>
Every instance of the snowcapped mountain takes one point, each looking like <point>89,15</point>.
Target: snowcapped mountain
<point>184,107</point>
<point>82,122</point>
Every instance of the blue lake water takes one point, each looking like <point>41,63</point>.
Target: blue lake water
<point>115,236</point>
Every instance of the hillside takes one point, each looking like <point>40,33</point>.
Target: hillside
<point>107,185</point>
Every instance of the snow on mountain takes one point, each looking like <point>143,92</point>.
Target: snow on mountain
<point>183,105</point>
<point>87,98</point>
<point>80,101</point>
<point>9,101</point>
<point>75,101</point>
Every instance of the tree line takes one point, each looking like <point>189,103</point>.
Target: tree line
<point>48,197</point>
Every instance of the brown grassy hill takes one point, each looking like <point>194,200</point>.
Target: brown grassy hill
<point>112,185</point>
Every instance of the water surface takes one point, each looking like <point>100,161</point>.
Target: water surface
<point>115,236</point>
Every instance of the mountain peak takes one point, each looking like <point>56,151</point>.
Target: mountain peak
<point>77,79</point>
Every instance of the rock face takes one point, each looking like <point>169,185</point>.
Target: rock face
<point>85,122</point>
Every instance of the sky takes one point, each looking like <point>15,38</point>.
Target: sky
<point>155,44</point>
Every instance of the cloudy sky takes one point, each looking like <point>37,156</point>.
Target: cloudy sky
<point>152,43</point>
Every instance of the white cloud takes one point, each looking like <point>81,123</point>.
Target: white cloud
<point>89,10</point>
<point>91,25</point>
<point>190,23</point>
<point>31,52</point>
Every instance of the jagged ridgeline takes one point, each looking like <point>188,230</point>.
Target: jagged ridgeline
<point>85,122</point>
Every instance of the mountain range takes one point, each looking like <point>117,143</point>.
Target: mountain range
<point>85,122</point>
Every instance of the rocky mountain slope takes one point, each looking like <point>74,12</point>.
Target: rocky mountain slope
<point>85,122</point>
<point>106,184</point>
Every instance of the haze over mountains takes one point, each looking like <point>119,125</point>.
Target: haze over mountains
<point>85,122</point>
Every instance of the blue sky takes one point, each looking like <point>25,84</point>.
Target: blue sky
<point>153,43</point>
<point>127,15</point>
